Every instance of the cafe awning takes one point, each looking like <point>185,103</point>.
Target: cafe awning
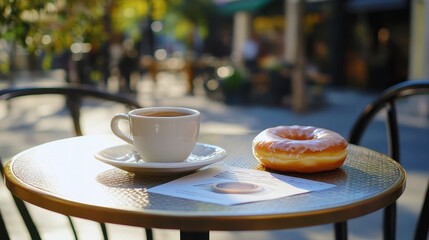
<point>374,5</point>
<point>229,7</point>
<point>233,6</point>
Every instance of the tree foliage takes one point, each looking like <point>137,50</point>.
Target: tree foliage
<point>188,18</point>
<point>51,24</point>
<point>54,25</point>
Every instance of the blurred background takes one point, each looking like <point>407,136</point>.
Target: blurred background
<point>245,64</point>
<point>253,51</point>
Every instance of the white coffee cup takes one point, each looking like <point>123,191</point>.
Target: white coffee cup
<point>160,134</point>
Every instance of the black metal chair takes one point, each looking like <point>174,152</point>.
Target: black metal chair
<point>74,95</point>
<point>387,100</point>
<point>3,230</point>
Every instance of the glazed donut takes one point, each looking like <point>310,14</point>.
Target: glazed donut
<point>302,149</point>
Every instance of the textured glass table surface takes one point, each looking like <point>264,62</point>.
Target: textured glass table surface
<point>64,176</point>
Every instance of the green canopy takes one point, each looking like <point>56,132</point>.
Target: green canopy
<point>233,6</point>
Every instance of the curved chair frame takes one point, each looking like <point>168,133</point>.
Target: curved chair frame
<point>3,231</point>
<point>387,100</point>
<point>73,95</point>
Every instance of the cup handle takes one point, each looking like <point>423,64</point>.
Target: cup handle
<point>114,125</point>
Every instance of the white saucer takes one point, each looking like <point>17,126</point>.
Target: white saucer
<point>125,158</point>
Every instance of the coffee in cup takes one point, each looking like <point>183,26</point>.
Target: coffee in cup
<point>160,134</point>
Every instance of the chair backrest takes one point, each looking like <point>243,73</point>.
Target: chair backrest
<point>3,230</point>
<point>73,95</point>
<point>387,100</point>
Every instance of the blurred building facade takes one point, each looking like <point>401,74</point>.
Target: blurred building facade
<point>358,43</point>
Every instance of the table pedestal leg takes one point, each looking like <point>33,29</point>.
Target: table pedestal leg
<point>184,235</point>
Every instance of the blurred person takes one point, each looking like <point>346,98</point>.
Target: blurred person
<point>318,67</point>
<point>127,65</point>
<point>115,53</point>
<point>381,62</point>
<point>251,53</point>
<point>104,58</point>
<point>318,74</point>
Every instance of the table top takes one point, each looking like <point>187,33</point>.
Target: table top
<point>63,176</point>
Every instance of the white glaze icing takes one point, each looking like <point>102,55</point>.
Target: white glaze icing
<point>307,139</point>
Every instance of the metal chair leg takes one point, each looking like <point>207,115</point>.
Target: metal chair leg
<point>389,224</point>
<point>149,234</point>
<point>423,222</point>
<point>32,229</point>
<point>104,231</point>
<point>184,235</point>
<point>3,231</point>
<point>341,231</point>
<point>73,228</point>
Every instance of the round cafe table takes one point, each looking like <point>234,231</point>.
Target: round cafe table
<point>63,176</point>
